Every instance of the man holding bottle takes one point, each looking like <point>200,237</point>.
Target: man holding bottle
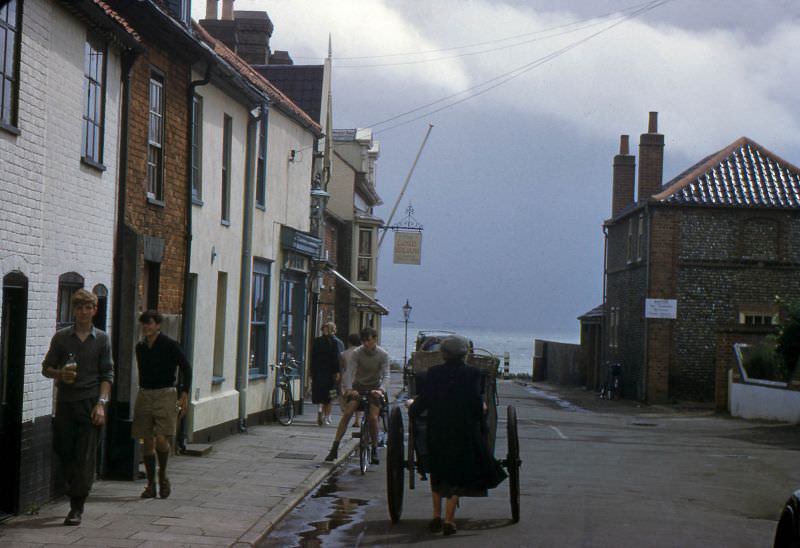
<point>79,359</point>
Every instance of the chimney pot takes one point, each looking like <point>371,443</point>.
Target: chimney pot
<point>227,10</point>
<point>652,126</point>
<point>623,144</point>
<point>211,9</point>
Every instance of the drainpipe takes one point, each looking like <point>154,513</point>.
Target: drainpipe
<point>186,330</point>
<point>243,339</point>
<point>649,222</point>
<point>604,325</point>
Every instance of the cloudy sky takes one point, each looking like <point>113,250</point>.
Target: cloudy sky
<point>528,99</point>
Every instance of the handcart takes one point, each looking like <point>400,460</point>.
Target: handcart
<point>412,458</point>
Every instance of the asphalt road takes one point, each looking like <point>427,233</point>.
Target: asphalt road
<point>595,473</point>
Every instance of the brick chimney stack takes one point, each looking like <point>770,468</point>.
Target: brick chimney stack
<point>623,178</point>
<point>651,160</point>
<point>247,33</point>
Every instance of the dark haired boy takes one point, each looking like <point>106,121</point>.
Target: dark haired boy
<point>159,358</point>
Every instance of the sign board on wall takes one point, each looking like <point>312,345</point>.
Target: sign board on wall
<point>665,309</point>
<point>407,247</point>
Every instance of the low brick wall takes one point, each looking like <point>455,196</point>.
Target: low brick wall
<point>557,362</point>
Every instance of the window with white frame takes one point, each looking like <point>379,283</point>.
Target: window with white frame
<point>613,328</point>
<point>94,77</point>
<point>9,62</point>
<point>259,318</point>
<point>364,255</point>
<point>640,239</point>
<point>227,138</point>
<point>629,253</point>
<point>197,148</point>
<point>155,140</point>
<point>68,284</point>
<point>261,171</point>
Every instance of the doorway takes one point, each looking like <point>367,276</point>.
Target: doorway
<point>12,370</point>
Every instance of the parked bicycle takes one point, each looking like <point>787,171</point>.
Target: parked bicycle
<point>282,396</point>
<point>613,386</point>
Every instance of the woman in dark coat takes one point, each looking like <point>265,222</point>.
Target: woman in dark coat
<point>324,370</point>
<point>459,460</point>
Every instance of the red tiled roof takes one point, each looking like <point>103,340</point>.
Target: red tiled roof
<point>121,21</point>
<point>277,96</point>
<point>742,174</point>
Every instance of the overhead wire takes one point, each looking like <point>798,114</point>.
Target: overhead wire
<point>509,75</point>
<point>487,42</point>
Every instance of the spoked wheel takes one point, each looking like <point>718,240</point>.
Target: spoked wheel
<point>394,465</point>
<point>513,462</point>
<point>410,461</point>
<point>364,444</point>
<point>283,405</point>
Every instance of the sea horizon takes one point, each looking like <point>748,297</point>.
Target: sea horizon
<point>496,340</point>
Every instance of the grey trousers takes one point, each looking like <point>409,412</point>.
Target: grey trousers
<point>75,443</point>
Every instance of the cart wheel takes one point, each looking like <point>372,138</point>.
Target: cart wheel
<point>410,461</point>
<point>394,465</point>
<point>513,462</point>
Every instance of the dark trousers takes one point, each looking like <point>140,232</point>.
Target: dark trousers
<point>75,443</point>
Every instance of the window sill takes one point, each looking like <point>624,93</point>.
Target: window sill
<point>225,222</point>
<point>9,128</point>
<point>197,201</point>
<point>262,207</point>
<point>92,164</point>
<point>215,380</point>
<point>255,374</point>
<point>155,201</point>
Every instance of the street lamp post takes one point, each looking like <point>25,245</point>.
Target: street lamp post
<point>406,316</point>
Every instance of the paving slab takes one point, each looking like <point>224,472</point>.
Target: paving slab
<point>230,495</point>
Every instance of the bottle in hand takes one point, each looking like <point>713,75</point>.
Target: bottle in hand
<point>70,370</point>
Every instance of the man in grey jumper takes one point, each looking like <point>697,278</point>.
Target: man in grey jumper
<point>371,377</point>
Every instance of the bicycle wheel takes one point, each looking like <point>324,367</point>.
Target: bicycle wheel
<point>513,461</point>
<point>283,404</point>
<point>364,444</point>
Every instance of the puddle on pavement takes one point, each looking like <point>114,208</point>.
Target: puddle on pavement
<point>562,404</point>
<point>322,519</point>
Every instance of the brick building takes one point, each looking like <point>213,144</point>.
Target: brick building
<point>58,149</point>
<point>153,199</point>
<point>689,260</point>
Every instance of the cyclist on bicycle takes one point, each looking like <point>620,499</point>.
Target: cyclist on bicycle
<point>370,378</point>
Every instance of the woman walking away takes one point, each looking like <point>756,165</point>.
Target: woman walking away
<point>324,371</point>
<point>460,462</point>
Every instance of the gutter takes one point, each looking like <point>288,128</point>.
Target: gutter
<point>647,213</point>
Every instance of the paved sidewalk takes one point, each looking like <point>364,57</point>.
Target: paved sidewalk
<point>232,496</point>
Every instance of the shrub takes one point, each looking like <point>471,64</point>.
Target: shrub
<point>763,362</point>
<point>788,338</point>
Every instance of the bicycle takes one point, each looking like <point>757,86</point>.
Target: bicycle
<point>365,436</point>
<point>613,386</point>
<point>282,398</point>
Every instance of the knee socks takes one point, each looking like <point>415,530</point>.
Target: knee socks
<point>162,463</point>
<point>150,468</point>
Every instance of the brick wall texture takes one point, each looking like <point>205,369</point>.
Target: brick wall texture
<point>715,262</point>
<point>57,215</point>
<point>167,221</point>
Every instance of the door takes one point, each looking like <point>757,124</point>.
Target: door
<point>12,368</point>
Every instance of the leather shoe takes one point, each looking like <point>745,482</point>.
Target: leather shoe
<point>435,525</point>
<point>449,528</point>
<point>73,518</point>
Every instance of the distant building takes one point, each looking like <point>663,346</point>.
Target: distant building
<point>714,246</point>
<point>352,202</point>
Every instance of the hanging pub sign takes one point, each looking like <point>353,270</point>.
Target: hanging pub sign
<point>407,247</point>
